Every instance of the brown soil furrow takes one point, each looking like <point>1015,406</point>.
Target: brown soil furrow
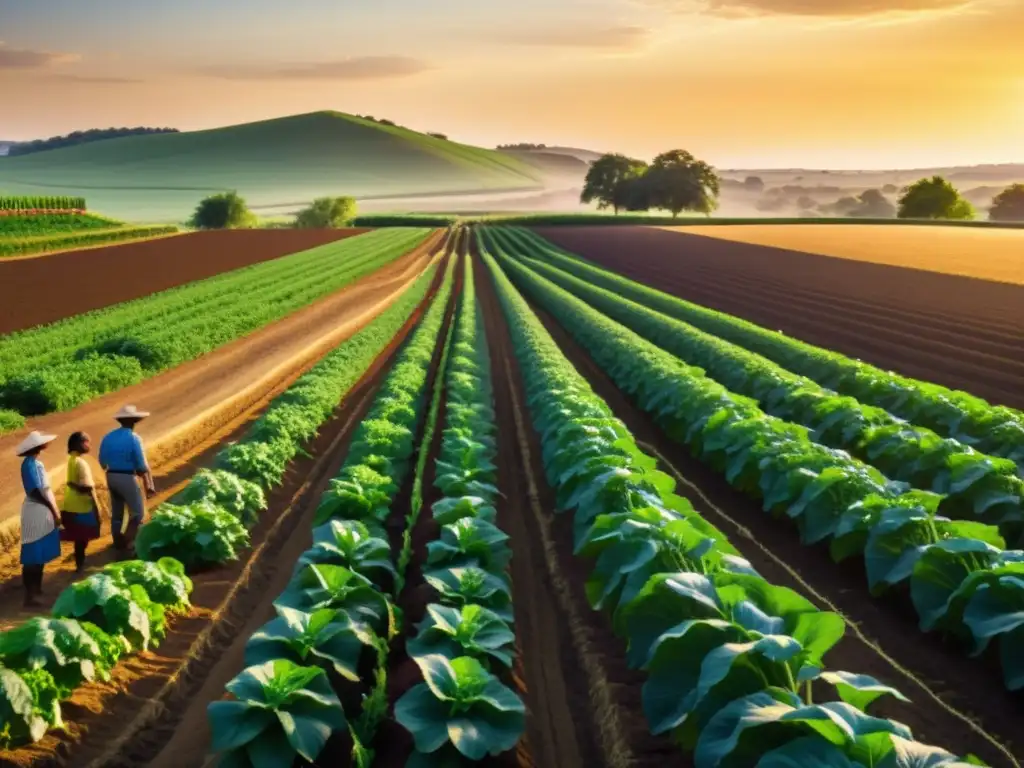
<point>584,701</point>
<point>171,727</point>
<point>957,703</point>
<point>705,270</point>
<point>195,405</point>
<point>73,282</point>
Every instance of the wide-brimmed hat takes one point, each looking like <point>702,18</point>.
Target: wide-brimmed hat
<point>130,412</point>
<point>32,441</point>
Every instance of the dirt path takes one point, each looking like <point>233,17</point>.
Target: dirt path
<point>882,639</point>
<point>583,702</point>
<point>197,405</point>
<point>959,332</point>
<point>155,711</point>
<point>44,288</point>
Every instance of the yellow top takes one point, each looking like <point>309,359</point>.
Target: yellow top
<point>80,474</point>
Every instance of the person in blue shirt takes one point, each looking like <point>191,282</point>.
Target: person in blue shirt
<point>123,458</point>
<point>40,519</point>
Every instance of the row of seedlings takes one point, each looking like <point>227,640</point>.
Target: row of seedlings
<point>994,430</point>
<point>124,608</point>
<point>973,486</point>
<point>465,645</point>
<point>960,578</point>
<point>336,617</point>
<point>731,659</point>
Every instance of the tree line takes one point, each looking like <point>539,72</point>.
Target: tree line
<point>676,181</point>
<point>229,210</point>
<point>81,137</point>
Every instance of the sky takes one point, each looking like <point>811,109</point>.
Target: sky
<point>740,83</point>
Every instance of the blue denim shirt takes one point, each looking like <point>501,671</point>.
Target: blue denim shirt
<point>122,451</point>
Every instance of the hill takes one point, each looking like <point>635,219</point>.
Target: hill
<point>273,162</point>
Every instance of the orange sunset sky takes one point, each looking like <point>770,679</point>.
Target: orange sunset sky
<point>767,83</point>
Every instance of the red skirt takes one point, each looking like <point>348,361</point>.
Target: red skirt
<point>79,526</point>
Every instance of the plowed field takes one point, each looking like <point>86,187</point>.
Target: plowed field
<point>961,332</point>
<point>48,288</point>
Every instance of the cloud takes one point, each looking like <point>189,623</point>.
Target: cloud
<point>573,36</point>
<point>819,8</point>
<point>96,79</point>
<point>353,68</point>
<point>26,58</point>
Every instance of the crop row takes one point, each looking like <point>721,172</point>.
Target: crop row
<point>51,224</point>
<point>49,202</point>
<point>730,658</point>
<point>972,485</point>
<point>995,430</point>
<point>206,526</point>
<point>337,615</point>
<point>67,240</point>
<point>465,644</point>
<point>961,580</point>
<point>60,366</point>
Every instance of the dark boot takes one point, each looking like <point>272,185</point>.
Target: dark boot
<point>80,556</point>
<point>28,579</point>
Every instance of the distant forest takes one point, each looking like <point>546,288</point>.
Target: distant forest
<point>81,137</point>
<point>522,145</point>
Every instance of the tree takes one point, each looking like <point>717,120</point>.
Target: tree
<point>609,182</point>
<point>227,210</point>
<point>1008,205</point>
<point>754,183</point>
<point>934,198</point>
<point>680,182</point>
<point>872,204</point>
<point>327,213</point>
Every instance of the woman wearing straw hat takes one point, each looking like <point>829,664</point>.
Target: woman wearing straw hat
<point>123,458</point>
<point>40,520</point>
<point>79,511</point>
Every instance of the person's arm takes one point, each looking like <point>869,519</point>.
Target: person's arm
<point>43,494</point>
<point>142,467</point>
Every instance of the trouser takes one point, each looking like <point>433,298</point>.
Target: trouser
<point>32,578</point>
<point>80,554</point>
<point>125,491</point>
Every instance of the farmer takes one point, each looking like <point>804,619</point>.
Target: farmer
<point>124,460</point>
<point>80,512</point>
<point>40,520</point>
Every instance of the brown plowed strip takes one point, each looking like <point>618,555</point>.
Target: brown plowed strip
<point>154,713</point>
<point>960,332</point>
<point>882,638</point>
<point>584,703</point>
<point>197,405</point>
<point>51,287</point>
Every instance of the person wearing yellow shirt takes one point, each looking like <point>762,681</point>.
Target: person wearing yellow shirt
<point>80,518</point>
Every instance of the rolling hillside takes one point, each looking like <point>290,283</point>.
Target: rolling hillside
<point>274,162</point>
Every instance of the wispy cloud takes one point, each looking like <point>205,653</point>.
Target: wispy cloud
<point>100,79</point>
<point>814,8</point>
<point>619,37</point>
<point>27,58</point>
<point>354,68</point>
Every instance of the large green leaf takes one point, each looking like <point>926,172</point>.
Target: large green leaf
<point>470,630</point>
<point>324,637</point>
<point>21,723</point>
<point>60,646</point>
<point>461,586</point>
<point>339,588</point>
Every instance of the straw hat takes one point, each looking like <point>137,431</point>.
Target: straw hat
<point>130,412</point>
<point>32,441</point>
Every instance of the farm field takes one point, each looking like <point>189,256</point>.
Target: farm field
<point>963,333</point>
<point>474,508</point>
<point>140,270</point>
<point>951,251</point>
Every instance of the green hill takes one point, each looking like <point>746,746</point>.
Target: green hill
<point>279,162</point>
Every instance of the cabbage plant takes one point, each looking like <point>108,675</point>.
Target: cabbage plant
<point>21,722</point>
<point>60,646</point>
<point>462,586</point>
<point>117,610</point>
<point>242,498</point>
<point>323,637</point>
<point>198,535</point>
<point>467,631</point>
<point>351,544</point>
<point>165,581</point>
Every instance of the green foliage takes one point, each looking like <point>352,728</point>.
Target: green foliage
<point>20,720</point>
<point>1008,205</point>
<point>65,364</point>
<point>81,137</point>
<point>933,198</point>
<point>42,202</point>
<point>242,498</point>
<point>10,421</point>
<point>123,611</point>
<point>164,581</point>
<point>60,646</point>
<point>226,210</point>
<point>608,179</point>
<point>280,712</point>
<point>326,637</point>
<point>38,225</point>
<point>677,181</point>
<point>24,246</point>
<point>198,535</point>
<point>326,213</point>
<point>461,704</point>
<point>467,631</point>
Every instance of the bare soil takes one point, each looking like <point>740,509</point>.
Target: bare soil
<point>960,332</point>
<point>198,404</point>
<point>957,703</point>
<point>51,287</point>
<point>583,702</point>
<point>154,712</point>
<point>989,254</point>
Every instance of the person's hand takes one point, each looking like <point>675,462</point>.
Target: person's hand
<point>150,491</point>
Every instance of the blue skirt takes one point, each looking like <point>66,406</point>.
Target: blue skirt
<point>43,550</point>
